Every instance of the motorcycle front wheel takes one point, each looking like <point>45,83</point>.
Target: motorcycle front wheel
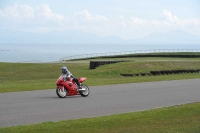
<point>85,92</point>
<point>62,93</point>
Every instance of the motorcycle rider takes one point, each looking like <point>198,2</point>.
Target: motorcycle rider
<point>68,75</point>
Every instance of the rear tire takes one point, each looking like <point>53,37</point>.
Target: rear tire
<point>86,92</point>
<point>61,93</point>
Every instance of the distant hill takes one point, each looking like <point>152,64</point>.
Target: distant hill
<point>79,37</point>
<point>173,37</point>
<point>56,37</point>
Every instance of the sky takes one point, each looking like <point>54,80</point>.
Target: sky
<point>128,19</point>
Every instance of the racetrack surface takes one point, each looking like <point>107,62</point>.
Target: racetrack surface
<point>32,107</point>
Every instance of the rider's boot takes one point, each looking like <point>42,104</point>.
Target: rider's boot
<point>80,87</point>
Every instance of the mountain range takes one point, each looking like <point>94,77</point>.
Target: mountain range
<point>79,37</point>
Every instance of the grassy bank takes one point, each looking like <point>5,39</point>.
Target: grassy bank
<point>34,76</point>
<point>176,119</point>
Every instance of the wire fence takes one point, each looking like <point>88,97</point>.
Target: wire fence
<point>84,56</point>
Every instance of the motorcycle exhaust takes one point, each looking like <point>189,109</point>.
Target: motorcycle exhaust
<point>81,89</point>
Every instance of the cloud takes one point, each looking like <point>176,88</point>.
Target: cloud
<point>179,22</point>
<point>191,25</point>
<point>42,19</point>
<point>17,12</point>
<point>169,17</point>
<point>46,12</point>
<point>86,16</point>
<point>23,17</point>
<point>138,23</point>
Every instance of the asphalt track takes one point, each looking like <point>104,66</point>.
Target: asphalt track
<point>32,107</point>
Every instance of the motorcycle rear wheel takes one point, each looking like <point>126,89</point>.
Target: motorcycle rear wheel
<point>86,92</point>
<point>62,93</point>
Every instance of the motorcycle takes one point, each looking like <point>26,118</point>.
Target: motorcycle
<point>67,87</point>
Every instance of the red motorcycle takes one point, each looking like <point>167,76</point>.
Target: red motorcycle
<point>69,87</point>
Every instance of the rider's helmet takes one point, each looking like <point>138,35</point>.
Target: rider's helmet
<point>64,70</point>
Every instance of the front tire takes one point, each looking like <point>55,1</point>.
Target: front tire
<point>86,92</point>
<point>62,93</point>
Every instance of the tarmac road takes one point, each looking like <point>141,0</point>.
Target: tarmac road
<point>31,107</point>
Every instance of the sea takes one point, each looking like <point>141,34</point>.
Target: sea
<point>57,52</point>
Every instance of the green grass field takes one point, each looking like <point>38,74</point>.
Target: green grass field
<point>176,119</point>
<point>39,76</point>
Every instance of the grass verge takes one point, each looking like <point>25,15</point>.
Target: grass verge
<point>175,119</point>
